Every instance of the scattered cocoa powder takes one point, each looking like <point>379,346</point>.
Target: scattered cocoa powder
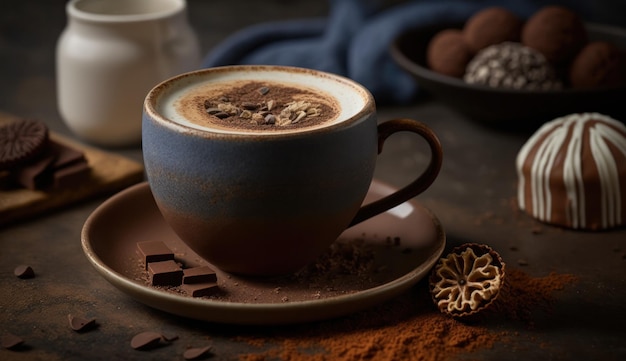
<point>409,327</point>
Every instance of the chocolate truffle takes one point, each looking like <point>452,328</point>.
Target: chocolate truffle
<point>556,32</point>
<point>598,64</point>
<point>448,53</point>
<point>511,65</point>
<point>572,172</point>
<point>490,26</point>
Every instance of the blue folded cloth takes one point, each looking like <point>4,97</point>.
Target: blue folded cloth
<point>354,40</point>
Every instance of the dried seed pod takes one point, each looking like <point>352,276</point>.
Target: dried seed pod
<point>467,280</point>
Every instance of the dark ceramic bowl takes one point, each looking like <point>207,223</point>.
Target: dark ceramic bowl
<point>505,108</point>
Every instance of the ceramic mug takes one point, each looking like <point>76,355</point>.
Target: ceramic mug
<point>110,54</point>
<point>266,203</point>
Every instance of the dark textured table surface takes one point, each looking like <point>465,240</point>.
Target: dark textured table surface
<point>473,197</point>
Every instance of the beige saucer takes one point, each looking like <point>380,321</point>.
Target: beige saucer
<point>405,243</point>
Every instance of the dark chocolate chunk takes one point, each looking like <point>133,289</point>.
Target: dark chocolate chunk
<point>201,274</point>
<point>70,175</point>
<point>165,273</point>
<point>200,289</point>
<point>154,251</point>
<point>59,166</point>
<point>10,341</point>
<point>24,271</point>
<point>197,352</point>
<point>145,340</point>
<point>80,324</point>
<point>21,141</point>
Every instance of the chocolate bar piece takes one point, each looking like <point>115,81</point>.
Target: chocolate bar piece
<point>165,273</point>
<point>154,251</point>
<point>200,289</point>
<point>201,274</point>
<point>59,166</point>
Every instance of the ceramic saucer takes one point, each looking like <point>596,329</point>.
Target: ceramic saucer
<point>404,242</point>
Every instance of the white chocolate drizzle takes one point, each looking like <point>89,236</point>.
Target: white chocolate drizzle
<point>563,138</point>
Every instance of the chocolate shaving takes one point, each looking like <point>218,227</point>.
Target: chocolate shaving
<point>80,324</point>
<point>145,340</point>
<point>11,342</point>
<point>195,353</point>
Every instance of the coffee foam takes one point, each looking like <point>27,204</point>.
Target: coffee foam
<point>176,101</point>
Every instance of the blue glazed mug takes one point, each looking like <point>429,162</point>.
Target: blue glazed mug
<point>265,202</point>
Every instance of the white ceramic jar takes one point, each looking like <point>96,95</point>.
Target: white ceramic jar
<point>111,53</point>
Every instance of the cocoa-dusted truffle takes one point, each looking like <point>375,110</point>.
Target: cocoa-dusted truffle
<point>572,172</point>
<point>467,280</point>
<point>448,53</point>
<point>598,64</point>
<point>491,26</point>
<point>511,65</point>
<point>556,32</point>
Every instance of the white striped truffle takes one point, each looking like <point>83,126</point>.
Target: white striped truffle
<point>572,172</point>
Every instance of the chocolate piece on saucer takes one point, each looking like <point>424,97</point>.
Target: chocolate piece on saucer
<point>165,273</point>
<point>200,289</point>
<point>21,141</point>
<point>154,251</point>
<point>200,274</point>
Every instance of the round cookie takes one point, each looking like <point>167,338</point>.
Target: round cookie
<point>511,65</point>
<point>448,53</point>
<point>20,141</point>
<point>556,32</point>
<point>598,64</point>
<point>491,26</point>
<point>572,172</point>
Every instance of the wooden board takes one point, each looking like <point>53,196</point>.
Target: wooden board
<point>109,173</point>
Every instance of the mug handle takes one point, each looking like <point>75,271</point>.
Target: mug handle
<point>416,187</point>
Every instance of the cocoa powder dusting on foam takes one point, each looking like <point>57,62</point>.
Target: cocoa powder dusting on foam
<point>409,327</point>
<point>256,105</point>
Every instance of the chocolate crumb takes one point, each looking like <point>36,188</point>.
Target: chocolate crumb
<point>80,324</point>
<point>11,342</point>
<point>197,352</point>
<point>146,340</point>
<point>24,272</point>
